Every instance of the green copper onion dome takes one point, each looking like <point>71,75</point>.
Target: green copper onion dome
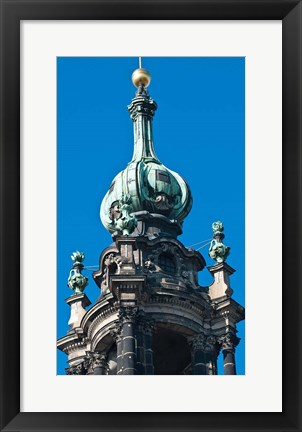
<point>145,184</point>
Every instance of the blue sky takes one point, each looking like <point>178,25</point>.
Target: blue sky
<point>198,132</point>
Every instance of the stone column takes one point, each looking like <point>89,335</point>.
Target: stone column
<point>211,353</point>
<point>76,370</point>
<point>100,365</point>
<point>198,355</point>
<point>119,354</point>
<point>95,363</point>
<point>144,352</point>
<point>149,327</point>
<point>228,344</point>
<point>128,317</point>
<point>140,349</point>
<point>88,362</point>
<point>117,336</point>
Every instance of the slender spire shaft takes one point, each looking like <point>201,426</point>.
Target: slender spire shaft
<point>142,109</point>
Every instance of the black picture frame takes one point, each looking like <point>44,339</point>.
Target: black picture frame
<point>290,12</point>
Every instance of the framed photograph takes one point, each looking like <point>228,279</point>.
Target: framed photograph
<point>208,123</point>
<point>226,78</point>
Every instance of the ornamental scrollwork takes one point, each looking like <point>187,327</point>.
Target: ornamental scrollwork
<point>201,342</point>
<point>88,362</point>
<point>229,341</point>
<point>100,361</point>
<point>198,342</point>
<point>94,360</point>
<point>210,343</point>
<point>76,370</point>
<point>128,314</point>
<point>116,333</point>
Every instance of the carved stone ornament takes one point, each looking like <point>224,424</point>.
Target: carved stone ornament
<point>229,341</point>
<point>110,261</point>
<point>120,214</point>
<point>198,343</point>
<point>88,362</point>
<point>116,333</point>
<point>77,257</point>
<point>76,281</point>
<point>94,360</point>
<point>76,370</point>
<point>149,264</point>
<point>210,343</point>
<point>99,360</point>
<point>163,202</point>
<point>218,251</point>
<point>217,227</point>
<point>144,105</point>
<point>128,314</point>
<point>204,343</point>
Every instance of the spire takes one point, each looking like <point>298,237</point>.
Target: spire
<point>146,183</point>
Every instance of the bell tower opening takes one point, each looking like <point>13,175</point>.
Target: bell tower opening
<point>171,353</point>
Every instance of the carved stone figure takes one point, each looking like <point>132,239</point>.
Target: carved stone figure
<point>120,214</point>
<point>112,263</point>
<point>76,281</point>
<point>218,251</point>
<point>149,264</point>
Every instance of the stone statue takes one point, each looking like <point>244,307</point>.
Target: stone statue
<point>120,214</point>
<point>76,281</point>
<point>218,251</point>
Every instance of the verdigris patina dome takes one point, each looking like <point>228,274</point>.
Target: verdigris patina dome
<point>145,184</point>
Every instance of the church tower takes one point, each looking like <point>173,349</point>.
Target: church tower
<point>152,316</point>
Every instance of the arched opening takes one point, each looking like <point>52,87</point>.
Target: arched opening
<point>106,345</point>
<point>171,353</point>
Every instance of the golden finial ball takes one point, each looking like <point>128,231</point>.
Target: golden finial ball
<point>141,77</point>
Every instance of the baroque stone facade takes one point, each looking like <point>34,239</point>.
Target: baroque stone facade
<point>152,316</point>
